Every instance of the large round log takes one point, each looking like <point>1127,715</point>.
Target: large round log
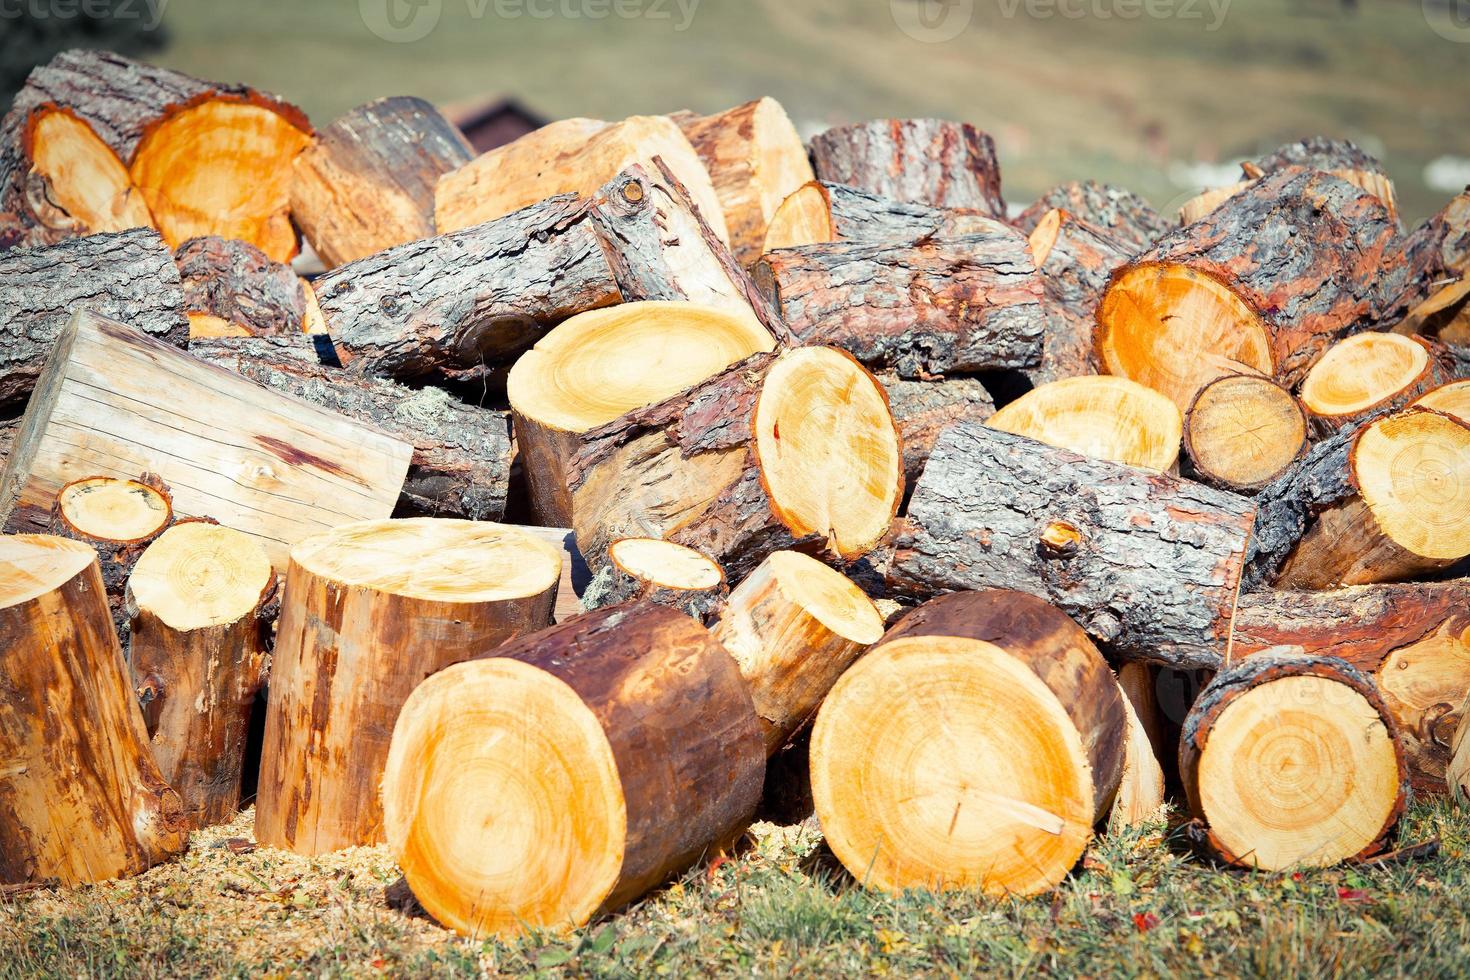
<point>974,747</point>
<point>369,611</point>
<point>924,161</point>
<point>1242,431</point>
<point>608,754</point>
<point>1101,417</point>
<point>81,798</point>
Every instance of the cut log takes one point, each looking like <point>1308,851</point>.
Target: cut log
<point>81,798</point>
<point>610,753</point>
<point>923,161</point>
<point>1140,799</point>
<point>1146,563</point>
<point>817,213</point>
<point>369,611</point>
<point>461,454</point>
<point>1292,760</point>
<point>572,157</point>
<point>599,365</point>
<point>1451,399</point>
<point>1340,158</point>
<point>961,304</point>
<point>115,402</point>
<point>129,276</point>
<point>1243,431</point>
<point>1434,299</point>
<point>974,747</point>
<point>200,604</point>
<point>1075,260</point>
<point>652,570</point>
<point>1119,214</point>
<point>1202,204</point>
<point>367,182</point>
<point>923,409</point>
<point>755,159</point>
<point>794,625</point>
<point>1401,507</point>
<point>1264,284</point>
<point>1104,418</point>
<point>231,289</point>
<point>1368,375</point>
<point>1412,640</point>
<point>777,451</point>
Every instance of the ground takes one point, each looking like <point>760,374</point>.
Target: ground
<point>1140,905</point>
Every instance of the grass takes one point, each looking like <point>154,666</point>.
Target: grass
<point>1139,905</point>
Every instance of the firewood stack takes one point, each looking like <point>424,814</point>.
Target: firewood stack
<point>765,390</point>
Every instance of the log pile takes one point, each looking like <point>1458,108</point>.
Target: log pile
<point>574,498</point>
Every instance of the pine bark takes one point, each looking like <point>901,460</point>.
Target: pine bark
<point>1119,214</point>
<point>613,585</point>
<point>237,284</point>
<point>1438,255</point>
<point>1074,272</point>
<point>861,216</point>
<point>922,410</point>
<point>923,161</point>
<point>1286,507</point>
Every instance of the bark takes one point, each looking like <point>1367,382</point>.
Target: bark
<point>1319,153</point>
<point>1148,564</point>
<point>1118,214</point>
<point>461,454</point>
<point>923,161</point>
<point>1438,256</point>
<point>367,183</point>
<point>236,283</point>
<point>860,216</point>
<point>922,410</point>
<point>128,276</point>
<point>614,584</point>
<point>1286,507</point>
<point>1074,267</point>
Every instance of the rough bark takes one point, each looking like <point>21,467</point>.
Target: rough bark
<point>614,584</point>
<point>1319,153</point>
<point>128,276</point>
<point>861,216</point>
<point>1438,255</point>
<point>924,161</point>
<point>240,287</point>
<point>1148,564</point>
<point>1074,265</point>
<point>1287,506</point>
<point>922,410</point>
<point>1119,214</point>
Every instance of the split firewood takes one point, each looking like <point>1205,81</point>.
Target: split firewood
<point>924,161</point>
<point>115,402</point>
<point>1292,759</point>
<point>786,450</point>
<point>1412,640</point>
<point>461,454</point>
<point>934,307</point>
<point>1243,431</point>
<point>923,409</point>
<point>1146,563</point>
<point>1457,776</point>
<point>815,213</point>
<point>1140,798</point>
<point>1119,214</point>
<point>1340,158</point>
<point>367,182</point>
<point>574,156</point>
<point>614,751</point>
<point>974,747</point>
<point>1368,375</point>
<point>1436,299</point>
<point>794,625</point>
<point>1101,417</point>
<point>127,276</point>
<point>1075,260</point>
<point>1264,284</point>
<point>652,570</point>
<point>81,798</point>
<point>601,364</point>
<point>369,611</point>
<point>200,603</point>
<point>1451,399</point>
<point>755,160</point>
<point>231,289</point>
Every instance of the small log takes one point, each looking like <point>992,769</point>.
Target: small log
<point>794,625</point>
<point>367,182</point>
<point>461,454</point>
<point>1340,158</point>
<point>1119,214</point>
<point>200,604</point>
<point>1146,563</point>
<point>1290,760</point>
<point>923,161</point>
<point>1412,640</point>
<point>935,307</point>
<point>1100,417</point>
<point>81,798</point>
<point>1074,260</point>
<point>1243,431</point>
<point>231,289</point>
<point>815,213</point>
<point>614,750</point>
<point>975,746</point>
<point>1369,375</point>
<point>1433,300</point>
<point>923,409</point>
<point>127,276</point>
<point>755,159</point>
<point>370,610</point>
<point>1264,284</point>
<point>652,570</point>
<point>115,402</point>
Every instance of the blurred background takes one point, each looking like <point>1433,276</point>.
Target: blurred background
<point>1162,96</point>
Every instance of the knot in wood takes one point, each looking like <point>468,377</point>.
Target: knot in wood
<point>1060,540</point>
<point>633,192</point>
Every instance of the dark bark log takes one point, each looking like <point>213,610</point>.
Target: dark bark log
<point>1438,257</point>
<point>1319,153</point>
<point>924,161</point>
<point>238,285</point>
<point>1146,563</point>
<point>1075,264</point>
<point>1286,506</point>
<point>922,410</point>
<point>1119,214</point>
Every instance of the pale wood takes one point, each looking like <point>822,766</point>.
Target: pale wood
<point>1140,799</point>
<point>1243,431</point>
<point>1367,375</point>
<point>1101,417</point>
<point>654,570</point>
